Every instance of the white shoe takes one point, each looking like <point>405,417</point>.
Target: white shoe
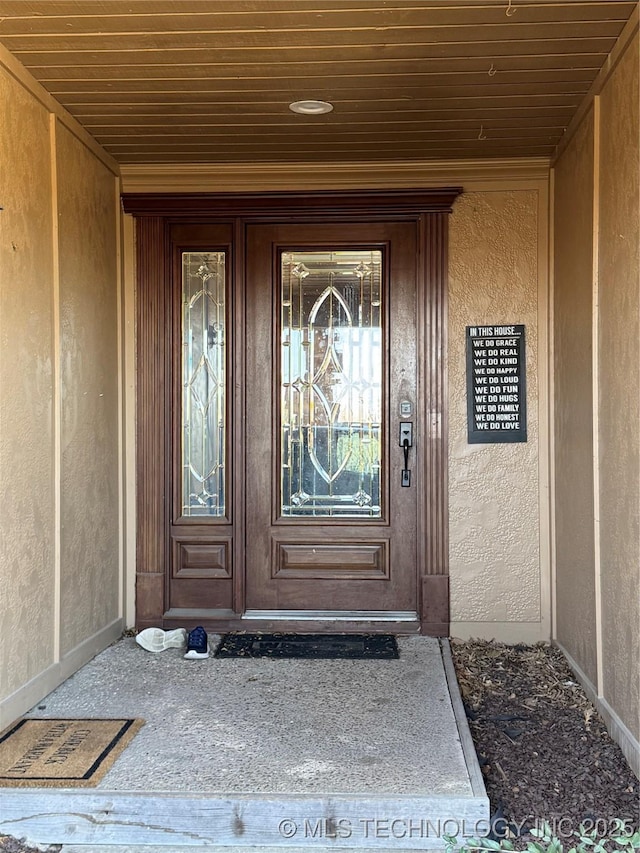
<point>157,640</point>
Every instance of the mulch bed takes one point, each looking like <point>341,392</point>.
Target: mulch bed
<point>544,752</point>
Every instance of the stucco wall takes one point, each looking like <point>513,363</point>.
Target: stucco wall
<point>26,385</point>
<point>495,563</point>
<point>573,355</point>
<point>89,386</point>
<point>619,387</point>
<point>597,244</point>
<point>59,412</point>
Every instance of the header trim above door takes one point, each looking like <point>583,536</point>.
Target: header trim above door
<point>285,205</point>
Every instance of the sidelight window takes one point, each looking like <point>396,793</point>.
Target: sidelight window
<point>203,383</point>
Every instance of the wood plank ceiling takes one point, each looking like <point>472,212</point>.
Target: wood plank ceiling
<point>192,81</point>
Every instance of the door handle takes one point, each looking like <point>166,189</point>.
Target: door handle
<point>406,433</point>
<point>405,442</point>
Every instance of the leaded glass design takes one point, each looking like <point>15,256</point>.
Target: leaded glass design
<point>331,383</point>
<point>203,383</point>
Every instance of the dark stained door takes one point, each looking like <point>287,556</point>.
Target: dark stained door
<point>282,339</point>
<point>331,363</point>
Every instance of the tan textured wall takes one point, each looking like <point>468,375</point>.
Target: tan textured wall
<point>89,386</point>
<point>26,386</point>
<point>59,411</point>
<point>619,388</point>
<point>573,355</point>
<point>493,488</point>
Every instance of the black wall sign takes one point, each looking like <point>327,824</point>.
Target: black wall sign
<point>496,384</point>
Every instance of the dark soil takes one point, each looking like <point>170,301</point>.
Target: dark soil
<point>544,752</point>
<point>12,845</point>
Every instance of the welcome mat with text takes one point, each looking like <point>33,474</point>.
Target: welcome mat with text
<point>62,752</point>
<point>322,646</point>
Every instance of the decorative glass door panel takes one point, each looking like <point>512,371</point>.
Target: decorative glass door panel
<point>332,360</point>
<point>203,384</point>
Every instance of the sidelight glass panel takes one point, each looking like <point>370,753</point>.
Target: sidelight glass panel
<point>203,383</point>
<point>331,383</point>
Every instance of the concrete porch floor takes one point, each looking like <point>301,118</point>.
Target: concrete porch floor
<point>257,753</point>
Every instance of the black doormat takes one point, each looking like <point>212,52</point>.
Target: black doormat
<point>322,646</point>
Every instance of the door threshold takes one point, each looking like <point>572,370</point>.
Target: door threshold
<point>295,621</point>
<point>332,615</point>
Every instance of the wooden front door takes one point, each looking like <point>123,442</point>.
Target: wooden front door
<point>331,508</point>
<point>287,344</point>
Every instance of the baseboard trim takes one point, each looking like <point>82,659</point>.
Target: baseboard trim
<point>23,699</point>
<point>625,739</point>
<point>502,632</point>
<point>89,648</point>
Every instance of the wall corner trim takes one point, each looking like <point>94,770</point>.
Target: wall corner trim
<point>616,54</point>
<point>17,70</point>
<point>595,393</point>
<point>619,732</point>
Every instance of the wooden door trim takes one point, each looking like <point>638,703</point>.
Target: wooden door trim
<point>154,214</point>
<point>238,401</point>
<point>151,427</point>
<point>433,498</point>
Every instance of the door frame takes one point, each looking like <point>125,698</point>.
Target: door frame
<point>154,215</point>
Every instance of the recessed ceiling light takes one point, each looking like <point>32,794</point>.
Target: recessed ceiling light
<point>311,108</point>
